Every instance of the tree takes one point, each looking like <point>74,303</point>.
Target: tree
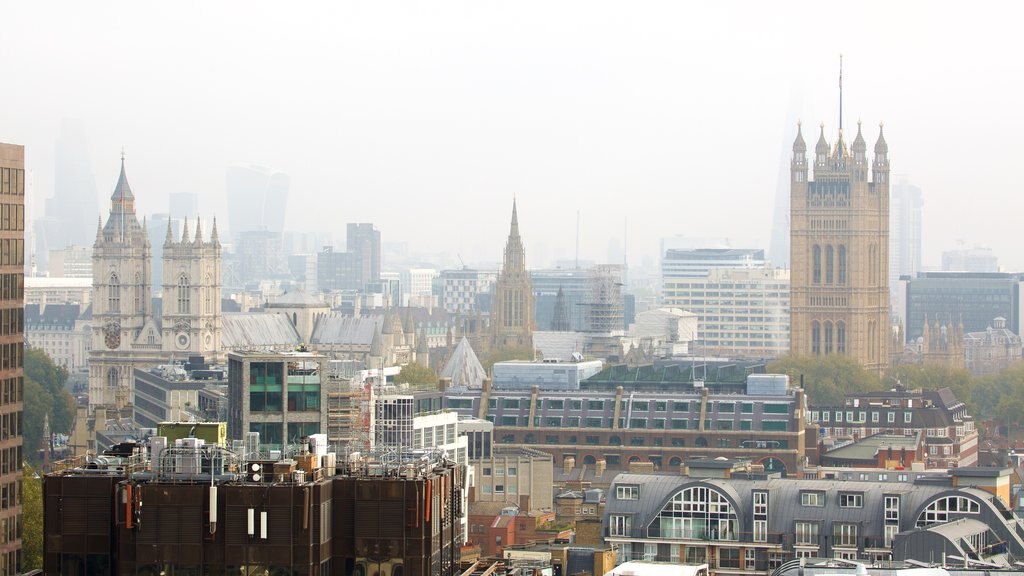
<point>45,395</point>
<point>32,520</point>
<point>936,377</point>
<point>827,379</point>
<point>417,375</point>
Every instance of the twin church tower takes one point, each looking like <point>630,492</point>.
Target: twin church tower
<point>128,331</point>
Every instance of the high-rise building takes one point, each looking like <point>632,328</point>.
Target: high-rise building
<point>12,345</point>
<point>512,319</point>
<point>839,242</point>
<point>257,199</point>
<point>977,259</point>
<point>69,212</point>
<point>904,230</point>
<point>363,240</point>
<point>695,263</point>
<point>462,289</point>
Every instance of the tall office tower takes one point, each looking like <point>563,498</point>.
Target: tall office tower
<point>69,213</point>
<point>904,230</point>
<point>512,319</point>
<point>183,205</point>
<point>977,259</point>
<point>257,199</point>
<point>363,240</point>
<point>839,251</point>
<point>12,274</point>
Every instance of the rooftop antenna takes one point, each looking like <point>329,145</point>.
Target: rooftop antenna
<point>577,240</point>
<point>840,93</point>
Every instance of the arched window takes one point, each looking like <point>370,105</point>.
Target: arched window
<point>698,513</point>
<point>842,264</point>
<point>589,460</point>
<point>675,461</point>
<point>114,294</point>
<point>112,378</point>
<point>184,295</point>
<point>207,298</point>
<point>829,264</point>
<point>828,337</point>
<point>816,257</point>
<point>947,508</point>
<point>841,337</point>
<point>701,442</point>
<point>615,441</point>
<point>137,289</point>
<point>815,338</point>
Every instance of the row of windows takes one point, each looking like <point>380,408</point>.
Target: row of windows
<point>12,252</point>
<point>12,217</point>
<point>12,181</point>
<point>723,407</point>
<point>831,274</point>
<point>639,423</point>
<point>12,286</point>
<point>12,321</point>
<point>657,441</point>
<point>859,416</point>
<point>12,390</point>
<point>12,356</point>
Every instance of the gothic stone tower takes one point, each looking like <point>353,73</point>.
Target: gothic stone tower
<point>839,251</point>
<point>191,322</point>
<point>512,320</point>
<point>121,268</point>
<point>126,332</point>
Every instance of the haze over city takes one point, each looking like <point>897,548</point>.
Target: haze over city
<point>427,119</point>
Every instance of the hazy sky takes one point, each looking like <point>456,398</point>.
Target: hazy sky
<point>427,118</point>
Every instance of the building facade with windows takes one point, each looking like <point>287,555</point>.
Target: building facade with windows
<point>281,396</point>
<point>950,437</point>
<point>753,526</point>
<point>740,311</point>
<point>657,414</point>
<point>12,351</point>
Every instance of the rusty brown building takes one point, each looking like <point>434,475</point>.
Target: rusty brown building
<point>205,512</point>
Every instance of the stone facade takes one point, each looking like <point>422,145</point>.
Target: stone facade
<point>512,320</point>
<point>839,242</point>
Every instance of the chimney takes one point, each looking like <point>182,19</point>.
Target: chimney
<point>444,384</point>
<point>568,463</point>
<point>487,385</point>
<point>599,469</point>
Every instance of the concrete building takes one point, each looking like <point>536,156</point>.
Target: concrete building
<point>43,290</point>
<point>416,421</point>
<point>278,395</point>
<point>180,511</point>
<point>669,331</point>
<point>754,525</point>
<point>696,263</point>
<point>257,199</point>
<point>977,259</point>
<point>357,267</point>
<point>519,477</point>
<point>549,375</point>
<point>839,251</point>
<point>740,312</point>
<point>71,262</point>
<point>461,289</point>
<point>571,285</point>
<point>654,414</point>
<point>949,433</point>
<point>179,393</point>
<point>12,351</point>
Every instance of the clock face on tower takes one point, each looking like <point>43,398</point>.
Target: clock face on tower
<point>112,335</point>
<point>182,340</point>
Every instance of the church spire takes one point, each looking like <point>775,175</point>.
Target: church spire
<point>169,239</point>
<point>799,146</point>
<point>184,233</point>
<point>199,232</point>
<point>514,229</point>
<point>214,239</point>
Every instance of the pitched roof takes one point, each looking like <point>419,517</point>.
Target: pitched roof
<point>255,330</point>
<point>335,328</point>
<point>464,367</point>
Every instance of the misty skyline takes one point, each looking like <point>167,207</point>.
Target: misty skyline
<point>427,119</point>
